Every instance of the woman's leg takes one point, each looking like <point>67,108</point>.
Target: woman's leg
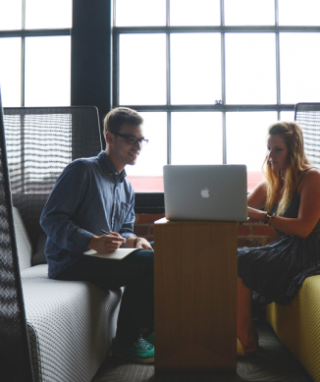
<point>245,326</point>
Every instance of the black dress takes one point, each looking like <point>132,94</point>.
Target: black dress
<point>276,271</point>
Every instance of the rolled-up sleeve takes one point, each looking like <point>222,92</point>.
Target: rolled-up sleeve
<point>56,218</point>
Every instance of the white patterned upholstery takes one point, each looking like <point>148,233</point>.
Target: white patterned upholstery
<point>71,325</point>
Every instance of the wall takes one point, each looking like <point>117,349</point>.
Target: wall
<point>249,234</point>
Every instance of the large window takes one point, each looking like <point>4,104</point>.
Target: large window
<point>35,52</point>
<point>210,76</point>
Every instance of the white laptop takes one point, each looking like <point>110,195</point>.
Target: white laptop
<point>205,192</point>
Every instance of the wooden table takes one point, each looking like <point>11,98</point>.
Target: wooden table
<point>195,296</point>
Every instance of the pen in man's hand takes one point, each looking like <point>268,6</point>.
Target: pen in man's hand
<point>107,233</point>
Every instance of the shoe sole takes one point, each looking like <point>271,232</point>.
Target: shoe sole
<point>138,360</point>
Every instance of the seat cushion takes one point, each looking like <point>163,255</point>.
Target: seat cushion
<point>298,325</point>
<point>70,324</point>
<point>39,257</point>
<point>24,246</point>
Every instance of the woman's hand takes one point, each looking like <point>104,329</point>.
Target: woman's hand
<point>256,215</point>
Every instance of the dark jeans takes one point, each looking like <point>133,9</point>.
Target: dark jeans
<point>135,272</point>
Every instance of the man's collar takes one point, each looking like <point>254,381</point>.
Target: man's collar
<point>111,168</point>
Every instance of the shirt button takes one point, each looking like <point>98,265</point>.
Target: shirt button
<point>116,173</point>
<point>115,202</point>
<point>112,218</point>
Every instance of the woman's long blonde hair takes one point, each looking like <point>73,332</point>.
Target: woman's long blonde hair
<point>291,133</point>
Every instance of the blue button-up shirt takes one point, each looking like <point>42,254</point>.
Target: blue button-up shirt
<point>89,195</point>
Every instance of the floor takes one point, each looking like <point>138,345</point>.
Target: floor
<point>272,363</point>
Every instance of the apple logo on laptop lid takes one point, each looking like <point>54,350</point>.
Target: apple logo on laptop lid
<point>205,193</point>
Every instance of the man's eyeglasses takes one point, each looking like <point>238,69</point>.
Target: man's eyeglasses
<point>132,140</point>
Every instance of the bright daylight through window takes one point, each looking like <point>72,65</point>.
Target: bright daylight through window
<point>210,76</point>
<point>35,65</point>
<point>35,52</point>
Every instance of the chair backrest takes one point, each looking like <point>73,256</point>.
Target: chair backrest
<point>41,142</point>
<point>308,117</point>
<point>15,359</point>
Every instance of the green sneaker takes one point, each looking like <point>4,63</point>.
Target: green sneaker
<point>150,338</point>
<point>141,351</point>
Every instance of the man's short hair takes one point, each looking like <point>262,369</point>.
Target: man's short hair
<point>118,116</point>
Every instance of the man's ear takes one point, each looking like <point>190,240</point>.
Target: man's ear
<point>109,138</point>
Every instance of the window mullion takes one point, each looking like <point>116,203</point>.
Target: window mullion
<point>116,70</point>
<point>168,99</point>
<point>23,54</point>
<point>113,12</point>
<point>223,84</point>
<point>277,55</point>
<point>168,68</point>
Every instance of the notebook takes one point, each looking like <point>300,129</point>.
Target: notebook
<point>119,254</point>
<point>205,192</point>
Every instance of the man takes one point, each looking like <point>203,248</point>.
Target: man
<point>91,195</point>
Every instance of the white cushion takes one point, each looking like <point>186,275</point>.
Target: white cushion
<point>24,246</point>
<point>70,323</point>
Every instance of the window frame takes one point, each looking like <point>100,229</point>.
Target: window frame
<point>223,30</point>
<point>222,107</point>
<point>94,72</point>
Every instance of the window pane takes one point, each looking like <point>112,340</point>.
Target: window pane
<point>196,138</point>
<point>247,141</point>
<point>10,14</point>
<point>190,12</point>
<point>140,12</point>
<point>250,68</point>
<point>195,68</point>
<point>147,174</point>
<point>47,71</point>
<point>48,14</point>
<point>299,65</point>
<point>299,12</point>
<point>249,12</point>
<point>10,71</point>
<point>287,116</point>
<point>142,69</point>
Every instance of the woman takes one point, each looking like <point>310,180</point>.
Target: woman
<point>290,196</point>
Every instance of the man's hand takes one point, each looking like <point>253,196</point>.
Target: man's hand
<point>106,243</point>
<point>142,243</point>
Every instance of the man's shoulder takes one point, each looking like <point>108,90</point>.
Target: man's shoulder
<point>82,164</point>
